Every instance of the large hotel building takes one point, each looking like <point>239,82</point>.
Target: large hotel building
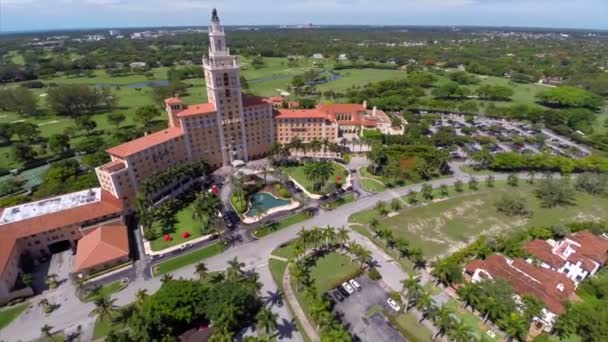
<point>229,127</point>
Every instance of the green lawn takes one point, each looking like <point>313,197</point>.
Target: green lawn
<point>297,173</point>
<point>469,319</point>
<point>360,77</point>
<point>286,251</point>
<point>184,223</point>
<point>348,198</point>
<point>372,185</point>
<point>187,259</point>
<point>332,270</point>
<point>277,269</point>
<point>448,225</point>
<point>9,315</point>
<point>105,290</point>
<point>284,223</point>
<point>408,324</point>
<point>103,327</point>
<point>57,337</point>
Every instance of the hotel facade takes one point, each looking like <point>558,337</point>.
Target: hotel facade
<point>231,126</point>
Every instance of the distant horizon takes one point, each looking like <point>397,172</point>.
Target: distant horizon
<point>316,26</point>
<point>60,15</point>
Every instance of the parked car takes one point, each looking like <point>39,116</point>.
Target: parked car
<point>337,296</point>
<point>348,288</point>
<point>394,305</point>
<point>355,284</point>
<point>343,291</point>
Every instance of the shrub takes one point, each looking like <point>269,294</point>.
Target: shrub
<point>512,205</point>
<point>374,274</point>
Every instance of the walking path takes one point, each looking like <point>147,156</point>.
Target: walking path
<point>311,332</point>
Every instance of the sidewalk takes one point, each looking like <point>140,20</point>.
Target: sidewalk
<point>295,305</point>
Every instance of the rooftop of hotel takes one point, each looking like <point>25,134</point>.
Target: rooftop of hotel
<point>50,205</point>
<point>135,146</point>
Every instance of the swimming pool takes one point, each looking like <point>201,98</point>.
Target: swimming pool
<point>266,201</point>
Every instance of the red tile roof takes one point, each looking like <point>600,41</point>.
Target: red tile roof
<point>249,100</point>
<point>173,100</point>
<point>197,109</point>
<point>276,99</point>
<point>10,232</point>
<point>527,279</point>
<point>135,146</point>
<point>541,250</point>
<point>100,245</point>
<point>301,114</point>
<point>592,246</point>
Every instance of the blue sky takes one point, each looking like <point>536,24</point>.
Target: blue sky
<point>53,14</point>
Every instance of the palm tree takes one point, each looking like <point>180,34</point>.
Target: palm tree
<point>141,296</point>
<point>296,144</point>
<point>46,331</point>
<point>267,320</point>
<point>318,173</point>
<point>299,250</point>
<point>265,170</point>
<point>411,284</point>
<point>325,144</point>
<point>342,237</point>
<point>235,268</point>
<point>201,270</point>
<point>362,254</point>
<point>443,320</point>
<point>143,212</point>
<point>316,145</point>
<point>166,278</point>
<point>461,332</point>
<point>104,308</point>
<point>329,235</point>
<point>217,278</point>
<point>374,224</point>
<point>469,294</point>
<point>515,326</point>
<point>425,304</point>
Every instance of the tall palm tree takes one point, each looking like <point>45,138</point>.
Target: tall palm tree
<point>296,144</point>
<point>235,268</point>
<point>374,224</point>
<point>299,250</point>
<point>515,326</point>
<point>443,320</point>
<point>316,145</point>
<point>342,237</point>
<point>201,270</point>
<point>104,308</point>
<point>46,331</point>
<point>141,296</point>
<point>325,144</point>
<point>166,278</point>
<point>412,286</point>
<point>205,208</point>
<point>267,320</point>
<point>425,304</point>
<point>470,294</point>
<point>461,332</point>
<point>329,235</point>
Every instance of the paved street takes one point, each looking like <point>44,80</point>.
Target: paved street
<point>254,254</point>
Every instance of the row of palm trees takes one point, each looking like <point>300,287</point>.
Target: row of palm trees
<point>401,245</point>
<point>319,173</point>
<point>416,296</point>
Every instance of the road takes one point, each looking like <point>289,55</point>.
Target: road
<point>254,254</point>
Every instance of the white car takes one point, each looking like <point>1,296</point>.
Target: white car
<point>355,284</point>
<point>394,305</point>
<point>346,286</point>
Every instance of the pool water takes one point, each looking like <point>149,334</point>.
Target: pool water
<point>264,200</point>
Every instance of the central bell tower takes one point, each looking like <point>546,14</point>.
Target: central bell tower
<point>222,79</point>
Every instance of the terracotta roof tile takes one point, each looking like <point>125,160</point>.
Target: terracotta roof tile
<point>173,100</point>
<point>197,109</point>
<point>541,250</point>
<point>135,146</point>
<point>300,114</point>
<point>10,232</point>
<point>527,279</point>
<point>102,244</point>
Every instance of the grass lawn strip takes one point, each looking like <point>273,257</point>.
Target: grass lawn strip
<point>187,259</point>
<point>407,324</point>
<point>297,173</point>
<point>284,223</point>
<point>339,201</point>
<point>9,315</point>
<point>372,185</point>
<point>184,223</point>
<point>106,290</point>
<point>277,269</point>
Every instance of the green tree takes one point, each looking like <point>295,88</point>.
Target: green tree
<point>145,115</point>
<point>513,180</point>
<point>23,153</point>
<point>59,143</point>
<point>201,270</point>
<point>555,192</point>
<point>115,119</point>
<point>267,320</point>
<point>459,186</point>
<point>104,309</point>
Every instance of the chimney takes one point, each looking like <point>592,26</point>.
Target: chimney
<point>374,111</point>
<point>365,104</point>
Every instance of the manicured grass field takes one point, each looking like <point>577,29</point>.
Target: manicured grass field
<point>331,270</point>
<point>447,225</point>
<point>187,259</point>
<point>286,251</point>
<point>185,223</point>
<point>105,290</point>
<point>9,315</point>
<point>372,185</point>
<point>299,175</point>
<point>284,223</point>
<point>469,319</point>
<point>408,324</point>
<point>360,77</point>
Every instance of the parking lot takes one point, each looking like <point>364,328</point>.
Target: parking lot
<point>353,312</point>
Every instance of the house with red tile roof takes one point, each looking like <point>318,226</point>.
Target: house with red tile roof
<point>578,256</point>
<point>552,288</point>
<point>51,225</point>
